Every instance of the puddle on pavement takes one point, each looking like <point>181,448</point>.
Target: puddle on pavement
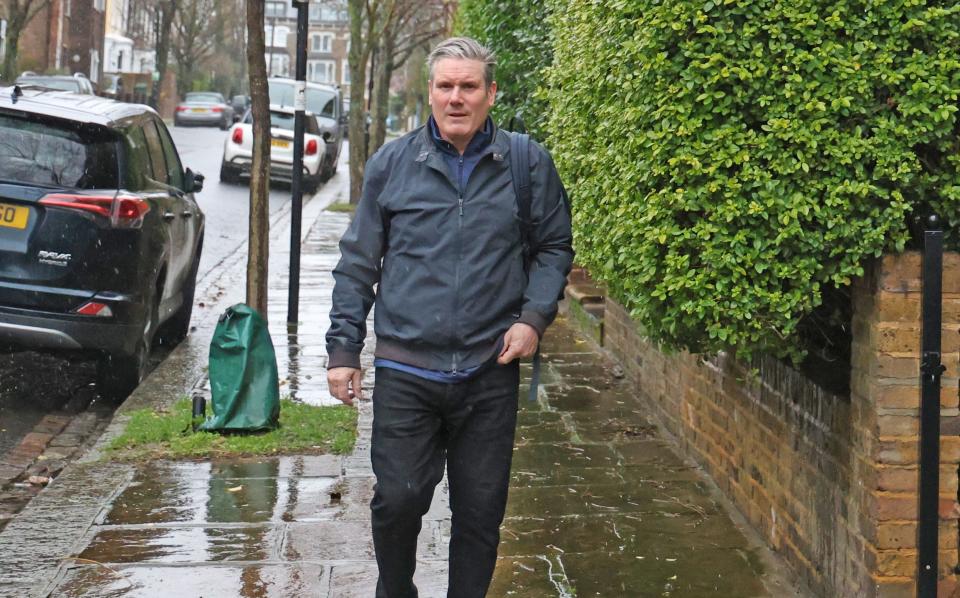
<point>193,544</point>
<point>267,581</point>
<point>273,490</point>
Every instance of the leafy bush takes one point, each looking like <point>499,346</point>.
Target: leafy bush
<point>729,160</point>
<point>519,33</point>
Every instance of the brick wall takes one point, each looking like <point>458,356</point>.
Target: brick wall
<point>829,481</point>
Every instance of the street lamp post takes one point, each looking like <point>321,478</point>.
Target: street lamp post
<point>296,216</point>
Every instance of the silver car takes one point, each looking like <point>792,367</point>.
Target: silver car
<point>203,108</point>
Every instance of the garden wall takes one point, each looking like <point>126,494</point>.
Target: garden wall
<point>829,481</point>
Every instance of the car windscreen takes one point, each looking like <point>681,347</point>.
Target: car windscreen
<point>62,84</point>
<point>284,120</point>
<point>319,101</point>
<point>204,98</point>
<point>60,154</point>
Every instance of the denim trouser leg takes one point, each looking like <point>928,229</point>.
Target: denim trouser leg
<point>416,423</point>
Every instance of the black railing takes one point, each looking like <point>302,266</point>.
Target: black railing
<point>930,371</point>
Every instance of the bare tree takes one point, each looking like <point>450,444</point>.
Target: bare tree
<point>195,27</point>
<point>259,242</point>
<point>365,17</point>
<point>162,13</point>
<point>19,14</point>
<point>407,25</point>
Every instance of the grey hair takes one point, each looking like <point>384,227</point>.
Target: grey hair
<point>464,48</point>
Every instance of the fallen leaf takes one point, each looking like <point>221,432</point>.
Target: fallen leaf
<point>38,480</point>
<point>235,489</point>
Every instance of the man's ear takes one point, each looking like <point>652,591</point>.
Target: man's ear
<point>429,89</point>
<point>492,93</point>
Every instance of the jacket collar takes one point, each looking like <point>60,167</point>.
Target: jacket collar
<point>426,148</point>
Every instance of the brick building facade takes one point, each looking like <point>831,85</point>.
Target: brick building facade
<point>66,36</point>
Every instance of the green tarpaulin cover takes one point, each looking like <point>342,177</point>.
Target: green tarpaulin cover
<point>244,385</point>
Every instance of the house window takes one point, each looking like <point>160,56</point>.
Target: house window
<point>275,9</point>
<point>276,36</point>
<point>321,71</point>
<point>322,42</point>
<point>278,65</point>
<point>345,69</point>
<point>99,5</point>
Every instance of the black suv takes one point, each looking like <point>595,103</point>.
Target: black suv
<point>100,235</point>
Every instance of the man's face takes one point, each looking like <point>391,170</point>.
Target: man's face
<point>459,99</point>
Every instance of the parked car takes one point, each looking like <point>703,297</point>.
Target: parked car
<point>203,108</point>
<point>240,104</point>
<point>326,104</point>
<point>100,234</point>
<point>77,83</point>
<point>238,149</point>
<point>112,86</point>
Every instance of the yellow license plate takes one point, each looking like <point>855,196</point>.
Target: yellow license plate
<point>14,216</point>
<point>280,143</point>
<point>200,110</point>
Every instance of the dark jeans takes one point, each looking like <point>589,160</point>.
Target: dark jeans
<point>417,425</point>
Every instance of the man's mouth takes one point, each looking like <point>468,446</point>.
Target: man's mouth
<point>457,115</point>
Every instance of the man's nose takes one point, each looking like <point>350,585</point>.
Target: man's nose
<point>455,95</point>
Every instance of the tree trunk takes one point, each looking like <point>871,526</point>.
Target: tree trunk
<point>17,19</point>
<point>381,95</point>
<point>358,76</point>
<point>259,244</point>
<point>164,23</point>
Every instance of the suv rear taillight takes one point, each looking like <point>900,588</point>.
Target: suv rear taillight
<point>237,136</point>
<point>311,149</point>
<point>93,308</point>
<point>123,211</point>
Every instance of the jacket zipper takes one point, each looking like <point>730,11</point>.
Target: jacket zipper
<point>456,304</point>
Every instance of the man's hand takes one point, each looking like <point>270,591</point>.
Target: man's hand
<point>519,342</point>
<point>345,384</point>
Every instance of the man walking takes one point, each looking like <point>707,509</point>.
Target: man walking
<point>437,231</point>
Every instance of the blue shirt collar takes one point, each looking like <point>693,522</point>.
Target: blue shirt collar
<point>481,138</point>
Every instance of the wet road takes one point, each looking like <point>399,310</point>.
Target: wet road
<point>33,384</point>
<point>227,207</point>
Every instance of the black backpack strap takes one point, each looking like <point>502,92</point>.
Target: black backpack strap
<point>520,172</point>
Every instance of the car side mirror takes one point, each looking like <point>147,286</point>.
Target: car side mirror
<point>192,181</point>
<point>327,136</point>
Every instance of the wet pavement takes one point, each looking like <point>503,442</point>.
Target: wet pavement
<point>599,503</point>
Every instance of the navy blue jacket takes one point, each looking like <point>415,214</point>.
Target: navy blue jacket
<point>446,261</point>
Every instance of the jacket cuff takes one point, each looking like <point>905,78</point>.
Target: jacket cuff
<point>338,358</point>
<point>532,318</point>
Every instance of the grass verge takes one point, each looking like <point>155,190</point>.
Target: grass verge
<point>340,206</point>
<point>304,429</point>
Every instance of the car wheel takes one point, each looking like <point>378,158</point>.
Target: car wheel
<point>177,123</point>
<point>326,172</point>
<point>224,125</point>
<point>312,183</point>
<point>228,174</point>
<point>118,374</point>
<point>177,327</point>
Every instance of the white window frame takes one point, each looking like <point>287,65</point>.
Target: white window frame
<point>321,42</point>
<point>345,72</point>
<point>276,35</point>
<point>321,71</point>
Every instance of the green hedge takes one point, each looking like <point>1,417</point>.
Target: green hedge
<point>729,160</point>
<point>519,32</point>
